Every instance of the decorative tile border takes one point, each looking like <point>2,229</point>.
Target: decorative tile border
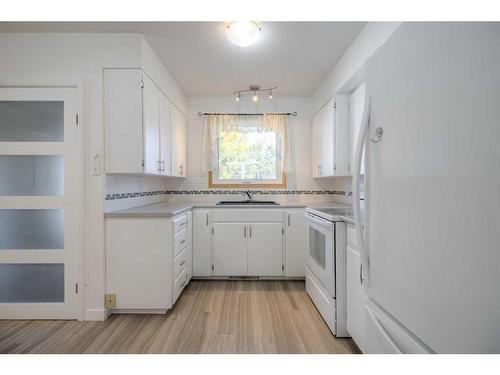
<point>115,196</point>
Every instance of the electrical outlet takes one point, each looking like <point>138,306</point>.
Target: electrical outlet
<point>110,301</point>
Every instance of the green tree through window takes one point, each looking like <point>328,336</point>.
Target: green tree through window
<point>248,155</point>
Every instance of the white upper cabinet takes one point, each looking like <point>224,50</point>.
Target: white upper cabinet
<point>330,139</point>
<point>151,126</point>
<point>139,122</point>
<point>179,133</point>
<point>165,136</point>
<point>123,120</point>
<point>356,107</point>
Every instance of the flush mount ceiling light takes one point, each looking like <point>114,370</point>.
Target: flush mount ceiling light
<point>243,33</point>
<point>255,89</point>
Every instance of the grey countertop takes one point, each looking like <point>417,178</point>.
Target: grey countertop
<point>169,209</point>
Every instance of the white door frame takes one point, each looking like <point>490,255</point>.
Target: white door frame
<point>82,136</point>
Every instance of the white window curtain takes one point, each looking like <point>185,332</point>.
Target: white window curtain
<point>267,122</point>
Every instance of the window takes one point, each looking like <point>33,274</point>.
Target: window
<point>245,152</point>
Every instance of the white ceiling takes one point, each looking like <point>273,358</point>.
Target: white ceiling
<point>296,56</point>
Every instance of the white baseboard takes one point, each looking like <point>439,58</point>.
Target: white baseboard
<point>96,314</point>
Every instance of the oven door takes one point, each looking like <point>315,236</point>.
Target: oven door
<point>320,258</point>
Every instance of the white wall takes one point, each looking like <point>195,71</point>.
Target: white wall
<point>373,35</point>
<point>79,59</point>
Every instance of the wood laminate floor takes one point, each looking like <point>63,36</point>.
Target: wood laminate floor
<point>209,317</point>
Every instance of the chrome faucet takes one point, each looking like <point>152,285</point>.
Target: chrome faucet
<point>249,195</point>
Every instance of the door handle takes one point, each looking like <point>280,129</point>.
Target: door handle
<point>207,220</point>
<point>250,231</point>
<point>288,219</point>
<point>245,231</point>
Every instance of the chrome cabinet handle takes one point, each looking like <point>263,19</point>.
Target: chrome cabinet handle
<point>250,231</point>
<point>245,231</point>
<point>207,220</point>
<point>361,273</point>
<point>288,219</point>
<point>183,262</point>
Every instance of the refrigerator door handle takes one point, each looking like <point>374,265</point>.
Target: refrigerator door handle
<point>365,122</point>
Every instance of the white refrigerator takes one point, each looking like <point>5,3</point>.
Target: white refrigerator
<point>431,239</point>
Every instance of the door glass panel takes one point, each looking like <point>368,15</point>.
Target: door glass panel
<point>27,282</point>
<point>317,247</point>
<point>31,175</point>
<point>31,121</point>
<point>31,229</point>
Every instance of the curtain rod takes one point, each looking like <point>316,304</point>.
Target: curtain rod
<point>247,114</point>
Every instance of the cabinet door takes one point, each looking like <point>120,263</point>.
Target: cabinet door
<point>202,263</point>
<point>355,298</point>
<point>230,249</point>
<point>265,249</point>
<point>356,107</point>
<point>178,143</point>
<point>296,243</point>
<point>123,120</point>
<point>316,145</point>
<point>189,248</point>
<point>327,136</point>
<point>341,136</point>
<point>165,134</point>
<point>151,126</point>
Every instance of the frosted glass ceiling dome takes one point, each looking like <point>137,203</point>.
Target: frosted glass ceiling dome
<point>243,33</point>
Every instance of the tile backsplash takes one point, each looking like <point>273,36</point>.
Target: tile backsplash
<point>130,191</point>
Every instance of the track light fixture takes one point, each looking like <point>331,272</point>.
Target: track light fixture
<point>255,89</point>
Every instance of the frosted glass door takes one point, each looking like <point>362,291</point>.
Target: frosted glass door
<point>38,203</point>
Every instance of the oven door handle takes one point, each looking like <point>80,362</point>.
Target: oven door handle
<point>324,223</point>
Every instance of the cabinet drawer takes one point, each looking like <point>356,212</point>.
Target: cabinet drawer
<point>180,223</point>
<point>253,215</point>
<point>352,239</point>
<point>179,284</point>
<point>180,241</point>
<point>180,262</point>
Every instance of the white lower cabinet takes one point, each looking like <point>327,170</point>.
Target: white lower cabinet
<point>265,249</point>
<point>202,250</point>
<point>189,249</point>
<point>356,302</point>
<point>147,262</point>
<point>230,249</point>
<point>296,243</point>
<point>249,242</point>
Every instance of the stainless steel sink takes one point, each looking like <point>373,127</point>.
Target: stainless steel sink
<point>246,202</point>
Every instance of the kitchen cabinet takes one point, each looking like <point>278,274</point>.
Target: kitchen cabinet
<point>202,259</point>
<point>248,242</point>
<point>355,293</point>
<point>139,262</point>
<point>179,134</point>
<point>230,249</point>
<point>265,249</point>
<point>356,107</point>
<point>189,249</point>
<point>147,262</point>
<point>139,122</point>
<point>330,139</point>
<point>296,243</point>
